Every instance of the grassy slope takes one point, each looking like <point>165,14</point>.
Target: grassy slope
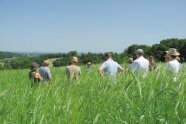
<point>92,99</point>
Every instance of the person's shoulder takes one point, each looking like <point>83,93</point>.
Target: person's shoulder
<point>78,68</point>
<point>69,66</point>
<point>173,62</point>
<point>136,61</point>
<point>105,62</point>
<point>115,62</point>
<point>37,74</point>
<point>176,61</point>
<point>146,60</point>
<point>169,64</point>
<point>41,67</point>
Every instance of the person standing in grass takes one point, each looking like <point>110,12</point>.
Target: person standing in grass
<point>152,63</point>
<point>173,66</point>
<point>33,75</point>
<point>110,67</point>
<point>130,61</point>
<point>73,71</point>
<point>89,66</point>
<point>45,71</point>
<point>140,66</point>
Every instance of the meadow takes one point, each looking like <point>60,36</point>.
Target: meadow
<point>92,99</point>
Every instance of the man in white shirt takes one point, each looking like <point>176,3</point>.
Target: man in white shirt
<point>110,67</point>
<point>173,66</point>
<point>140,66</point>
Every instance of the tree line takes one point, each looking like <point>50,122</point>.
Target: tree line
<point>156,50</point>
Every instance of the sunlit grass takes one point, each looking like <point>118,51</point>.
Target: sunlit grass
<point>92,99</point>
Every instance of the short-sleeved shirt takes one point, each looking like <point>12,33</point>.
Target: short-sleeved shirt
<point>140,66</point>
<point>73,72</point>
<point>174,67</point>
<point>45,73</point>
<point>110,67</point>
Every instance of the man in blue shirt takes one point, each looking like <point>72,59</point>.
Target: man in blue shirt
<point>110,67</point>
<point>45,71</point>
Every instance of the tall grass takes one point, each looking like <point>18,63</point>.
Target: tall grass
<point>92,100</point>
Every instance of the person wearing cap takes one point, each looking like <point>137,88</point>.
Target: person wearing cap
<point>33,75</point>
<point>45,71</point>
<point>73,71</point>
<point>173,66</point>
<point>89,66</point>
<point>109,66</point>
<point>140,66</point>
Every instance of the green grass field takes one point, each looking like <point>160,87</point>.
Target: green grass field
<point>92,100</point>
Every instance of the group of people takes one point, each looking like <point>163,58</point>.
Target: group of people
<point>43,75</point>
<point>139,67</point>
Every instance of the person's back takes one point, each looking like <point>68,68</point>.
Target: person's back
<point>89,67</point>
<point>33,75</point>
<point>173,66</point>
<point>141,65</point>
<point>110,67</point>
<point>73,72</point>
<point>45,73</point>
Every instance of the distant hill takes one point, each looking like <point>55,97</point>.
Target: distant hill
<point>4,55</point>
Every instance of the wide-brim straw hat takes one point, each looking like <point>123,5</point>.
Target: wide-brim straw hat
<point>74,59</point>
<point>173,52</point>
<point>34,66</point>
<point>46,62</point>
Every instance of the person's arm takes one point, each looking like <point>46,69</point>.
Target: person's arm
<point>101,69</point>
<point>49,76</point>
<point>120,69</point>
<point>39,76</point>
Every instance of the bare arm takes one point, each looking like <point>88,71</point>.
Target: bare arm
<point>120,69</point>
<point>39,76</point>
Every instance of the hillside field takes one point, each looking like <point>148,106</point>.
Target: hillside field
<point>92,100</point>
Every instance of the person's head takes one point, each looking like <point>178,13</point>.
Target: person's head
<point>151,58</point>
<point>34,66</point>
<point>46,63</point>
<point>89,64</point>
<point>130,60</point>
<point>108,55</point>
<point>171,54</point>
<point>74,60</point>
<point>139,52</point>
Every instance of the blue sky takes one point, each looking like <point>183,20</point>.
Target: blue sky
<point>88,25</point>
